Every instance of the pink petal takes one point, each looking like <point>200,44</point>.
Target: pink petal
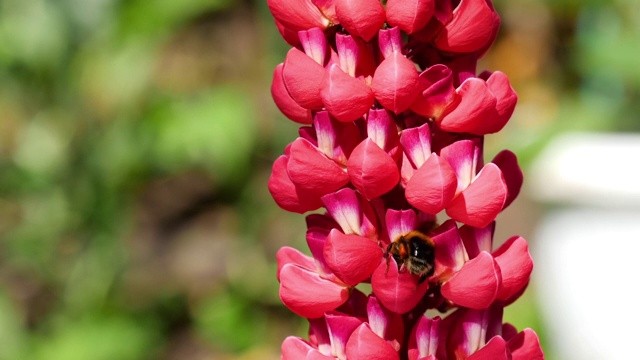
<point>317,355</point>
<point>303,78</point>
<point>352,258</point>
<point>476,285</point>
<point>470,329</point>
<point>472,27</point>
<point>315,45</point>
<point>294,348</point>
<point>450,252</point>
<point>416,143</point>
<point>425,338</point>
<point>495,349</point>
<point>307,294</point>
<point>476,111</point>
<point>288,34</point>
<point>356,305</point>
<point>433,186</point>
<point>365,344</point>
<point>463,156</point>
<point>340,329</point>
<point>500,86</point>
<point>482,201</point>
<point>362,18</point>
<point>515,265</point>
<point>285,102</point>
<point>312,171</point>
<point>371,170</point>
<point>354,214</point>
<point>508,164</point>
<point>286,194</point>
<point>335,139</point>
<point>395,83</point>
<point>526,346</point>
<point>316,238</point>
<point>297,15</point>
<point>346,98</point>
<point>356,57</point>
<point>390,41</point>
<point>382,129</point>
<point>400,222</point>
<point>398,292</point>
<point>319,335</point>
<point>477,239</point>
<point>508,331</point>
<point>288,255</point>
<point>409,15</point>
<point>437,92</point>
<point>385,323</point>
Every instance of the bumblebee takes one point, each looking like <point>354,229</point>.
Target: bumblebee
<point>416,251</point>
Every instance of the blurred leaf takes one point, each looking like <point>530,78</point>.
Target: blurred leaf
<point>11,332</point>
<point>33,32</point>
<point>98,338</point>
<point>229,322</point>
<point>141,17</point>
<point>214,130</point>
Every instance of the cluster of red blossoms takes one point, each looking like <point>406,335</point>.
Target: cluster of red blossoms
<point>395,119</point>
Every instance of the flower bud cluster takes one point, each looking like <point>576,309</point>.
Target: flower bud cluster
<point>394,121</point>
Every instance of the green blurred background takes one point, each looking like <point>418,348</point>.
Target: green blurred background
<point>136,140</point>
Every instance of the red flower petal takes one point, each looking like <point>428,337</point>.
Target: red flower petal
<point>317,355</point>
<point>416,143</point>
<point>312,171</point>
<point>286,194</point>
<point>476,112</point>
<point>508,164</point>
<point>346,98</point>
<point>476,285</point>
<point>495,349</point>
<point>382,129</point>
<point>477,239</point>
<point>365,344</point>
<point>433,186</point>
<point>297,15</point>
<point>437,92</point>
<point>515,265</point>
<point>294,348</point>
<point>385,323</point>
<point>352,212</point>
<point>400,222</point>
<point>288,255</point>
<point>450,252</point>
<point>425,338</point>
<point>307,294</point>
<point>289,107</point>
<point>395,83</point>
<point>303,78</point>
<point>340,328</point>
<point>360,17</point>
<point>409,15</point>
<point>507,98</point>
<point>371,170</point>
<point>397,291</point>
<point>526,346</point>
<point>351,258</point>
<point>472,28</point>
<point>482,201</point>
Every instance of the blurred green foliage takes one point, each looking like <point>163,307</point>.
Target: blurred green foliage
<point>136,139</point>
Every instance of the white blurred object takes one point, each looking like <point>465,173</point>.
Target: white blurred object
<point>587,250</point>
<point>589,169</point>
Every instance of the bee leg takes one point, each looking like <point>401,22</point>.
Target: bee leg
<point>422,279</point>
<point>386,256</point>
